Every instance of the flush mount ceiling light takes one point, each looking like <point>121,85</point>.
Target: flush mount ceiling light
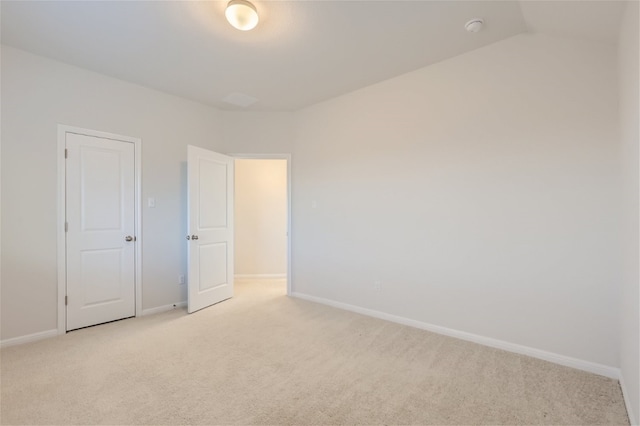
<point>242,15</point>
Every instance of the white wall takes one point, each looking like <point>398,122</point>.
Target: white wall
<point>481,191</point>
<point>257,132</point>
<point>260,217</point>
<point>629,74</point>
<point>37,95</point>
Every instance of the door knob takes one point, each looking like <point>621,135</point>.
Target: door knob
<point>188,237</point>
<point>128,238</point>
<point>194,237</point>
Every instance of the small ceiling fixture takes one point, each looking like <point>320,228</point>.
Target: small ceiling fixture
<point>242,15</point>
<point>474,25</point>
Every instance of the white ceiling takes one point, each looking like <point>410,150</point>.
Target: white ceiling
<point>302,52</point>
<point>590,20</point>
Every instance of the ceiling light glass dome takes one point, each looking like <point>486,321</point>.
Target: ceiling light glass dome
<point>242,15</point>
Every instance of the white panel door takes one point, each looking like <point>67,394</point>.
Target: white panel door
<point>210,212</point>
<point>100,240</point>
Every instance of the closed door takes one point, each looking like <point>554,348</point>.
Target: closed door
<point>210,213</point>
<point>100,237</point>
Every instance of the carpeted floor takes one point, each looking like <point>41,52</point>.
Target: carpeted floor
<point>264,358</point>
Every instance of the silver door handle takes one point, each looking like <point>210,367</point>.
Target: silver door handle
<point>128,238</point>
<point>194,237</point>
<point>188,237</point>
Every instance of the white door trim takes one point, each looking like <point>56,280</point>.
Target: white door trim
<point>288,158</point>
<point>62,253</point>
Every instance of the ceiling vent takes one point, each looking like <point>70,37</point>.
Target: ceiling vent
<point>240,100</point>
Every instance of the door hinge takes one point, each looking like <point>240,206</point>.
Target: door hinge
<point>66,300</point>
<point>66,227</point>
<point>66,153</point>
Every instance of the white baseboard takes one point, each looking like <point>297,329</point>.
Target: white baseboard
<point>260,276</point>
<point>164,308</point>
<point>28,338</point>
<point>633,419</point>
<point>53,333</point>
<point>591,367</point>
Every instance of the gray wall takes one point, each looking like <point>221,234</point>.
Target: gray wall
<point>482,192</point>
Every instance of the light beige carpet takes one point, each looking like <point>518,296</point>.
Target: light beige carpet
<point>263,358</point>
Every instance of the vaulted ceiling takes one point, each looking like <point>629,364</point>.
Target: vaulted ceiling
<point>302,52</point>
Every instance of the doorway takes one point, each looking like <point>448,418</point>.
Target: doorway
<point>262,212</point>
<point>99,228</point>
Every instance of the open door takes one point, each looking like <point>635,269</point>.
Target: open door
<point>210,216</point>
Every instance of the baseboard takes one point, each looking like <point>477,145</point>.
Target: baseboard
<point>633,419</point>
<point>28,338</point>
<point>579,364</point>
<point>53,333</point>
<point>260,276</point>
<point>164,308</point>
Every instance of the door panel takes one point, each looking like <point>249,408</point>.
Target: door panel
<point>100,208</point>
<point>212,194</point>
<point>99,270</point>
<point>210,247</point>
<point>213,265</point>
<point>101,192</point>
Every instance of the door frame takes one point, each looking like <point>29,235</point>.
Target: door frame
<point>286,157</point>
<point>62,209</point>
